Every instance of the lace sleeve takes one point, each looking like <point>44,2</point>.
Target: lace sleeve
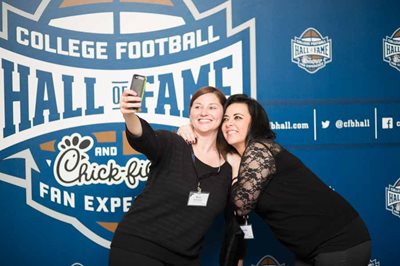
<point>256,167</point>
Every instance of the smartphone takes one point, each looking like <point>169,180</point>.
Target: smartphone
<point>138,84</point>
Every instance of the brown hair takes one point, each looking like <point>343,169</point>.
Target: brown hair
<point>208,89</point>
<point>221,142</point>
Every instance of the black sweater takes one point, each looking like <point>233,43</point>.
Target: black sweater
<point>159,222</point>
<point>303,212</point>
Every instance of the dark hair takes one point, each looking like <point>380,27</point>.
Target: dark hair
<point>260,127</point>
<point>221,142</point>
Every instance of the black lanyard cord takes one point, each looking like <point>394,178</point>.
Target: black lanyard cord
<point>198,179</point>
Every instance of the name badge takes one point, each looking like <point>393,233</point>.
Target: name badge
<point>198,199</point>
<point>248,231</point>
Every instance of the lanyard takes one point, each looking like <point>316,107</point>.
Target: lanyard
<point>197,174</point>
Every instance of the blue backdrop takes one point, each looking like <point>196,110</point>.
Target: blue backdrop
<point>327,72</point>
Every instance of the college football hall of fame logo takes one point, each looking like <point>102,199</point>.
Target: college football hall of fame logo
<point>393,198</point>
<point>64,65</point>
<point>391,49</point>
<point>311,51</point>
<point>268,260</point>
<point>374,262</point>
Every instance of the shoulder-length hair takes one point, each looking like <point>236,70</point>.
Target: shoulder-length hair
<point>221,142</point>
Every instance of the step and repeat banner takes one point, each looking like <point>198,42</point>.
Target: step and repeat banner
<point>327,72</point>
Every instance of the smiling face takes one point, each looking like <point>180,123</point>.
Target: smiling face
<point>236,124</point>
<point>206,113</point>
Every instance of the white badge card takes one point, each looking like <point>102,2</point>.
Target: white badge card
<point>248,231</point>
<point>198,198</point>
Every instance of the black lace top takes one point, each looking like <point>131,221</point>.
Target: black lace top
<point>257,167</point>
<point>302,211</point>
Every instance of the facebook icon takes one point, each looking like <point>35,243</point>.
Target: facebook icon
<point>387,122</point>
